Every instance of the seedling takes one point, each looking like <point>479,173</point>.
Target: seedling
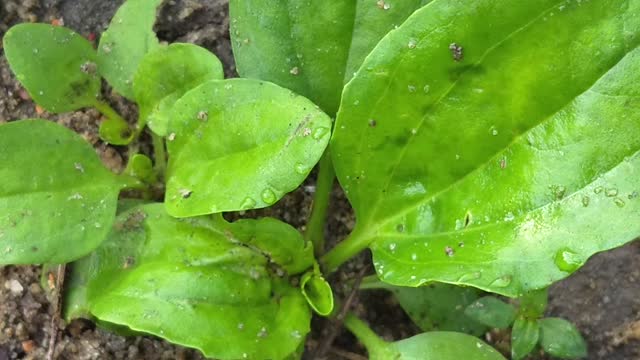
<point>481,146</point>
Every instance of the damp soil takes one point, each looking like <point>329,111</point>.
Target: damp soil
<point>602,298</point>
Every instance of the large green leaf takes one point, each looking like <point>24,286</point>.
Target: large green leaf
<point>56,65</point>
<point>57,201</point>
<point>129,37</point>
<point>164,75</point>
<point>311,47</point>
<point>440,345</point>
<point>440,307</point>
<point>240,144</point>
<point>494,145</point>
<point>193,283</point>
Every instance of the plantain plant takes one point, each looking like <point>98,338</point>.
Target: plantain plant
<point>485,147</point>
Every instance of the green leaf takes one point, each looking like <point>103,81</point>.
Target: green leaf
<point>56,66</point>
<point>141,167</point>
<point>188,281</point>
<point>534,303</point>
<point>441,345</point>
<point>318,293</point>
<point>115,131</point>
<point>129,37</point>
<point>312,48</point>
<point>492,312</point>
<point>440,307</point>
<point>255,142</point>
<point>524,337</point>
<point>58,201</point>
<point>280,242</point>
<point>560,338</point>
<point>164,75</point>
<point>481,151</point>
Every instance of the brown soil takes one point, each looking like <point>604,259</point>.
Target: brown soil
<point>602,298</point>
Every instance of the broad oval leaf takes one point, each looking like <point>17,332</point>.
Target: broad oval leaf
<point>492,312</point>
<point>479,146</point>
<point>560,338</point>
<point>56,65</point>
<point>524,337</point>
<point>440,307</point>
<point>312,48</point>
<point>115,131</point>
<point>318,293</point>
<point>164,75</point>
<point>240,144</point>
<point>129,37</point>
<point>58,201</point>
<point>188,281</point>
<point>440,345</point>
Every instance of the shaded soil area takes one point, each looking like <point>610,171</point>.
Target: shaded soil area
<point>602,298</point>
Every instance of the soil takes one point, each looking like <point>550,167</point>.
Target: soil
<point>602,298</point>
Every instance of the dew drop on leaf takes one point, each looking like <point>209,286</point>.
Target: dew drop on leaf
<point>302,169</point>
<point>268,196</point>
<point>611,192</point>
<point>567,260</point>
<point>502,281</point>
<point>320,132</point>
<point>585,201</point>
<point>248,203</point>
<point>470,276</point>
<point>619,202</point>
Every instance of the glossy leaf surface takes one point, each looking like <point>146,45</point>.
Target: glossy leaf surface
<point>440,307</point>
<point>115,131</point>
<point>439,345</point>
<point>57,199</point>
<point>318,293</point>
<point>129,37</point>
<point>55,65</point>
<point>141,167</point>
<point>467,162</point>
<point>492,312</point>
<point>311,47</point>
<point>164,75</point>
<point>524,337</point>
<point>191,282</point>
<point>560,338</point>
<point>240,144</point>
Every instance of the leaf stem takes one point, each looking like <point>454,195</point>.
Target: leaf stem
<point>106,110</point>
<point>317,220</point>
<point>345,250</point>
<point>372,282</point>
<point>373,343</point>
<point>160,156</point>
<point>131,183</point>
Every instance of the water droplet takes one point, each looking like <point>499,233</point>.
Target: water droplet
<point>449,251</point>
<point>294,71</point>
<point>619,202</point>
<point>400,228</point>
<point>392,246</point>
<point>470,276</point>
<point>78,167</point>
<point>268,196</point>
<point>558,191</point>
<point>509,216</point>
<point>502,281</point>
<point>611,192</point>
<point>302,169</point>
<point>414,257</point>
<point>296,334</point>
<point>248,203</point>
<point>240,326</point>
<point>412,43</point>
<point>598,189</point>
<point>320,132</point>
<point>426,89</point>
<point>494,131</point>
<point>585,201</point>
<point>567,260</point>
<point>263,333</point>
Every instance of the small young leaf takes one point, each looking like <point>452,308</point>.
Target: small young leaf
<point>524,337</point>
<point>560,338</point>
<point>240,144</point>
<point>464,150</point>
<point>141,167</point>
<point>55,65</point>
<point>440,307</point>
<point>492,312</point>
<point>317,292</point>
<point>534,303</point>
<point>312,48</point>
<point>129,37</point>
<point>188,281</point>
<point>115,131</point>
<point>57,199</point>
<point>164,75</point>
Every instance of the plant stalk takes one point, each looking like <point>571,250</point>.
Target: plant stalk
<point>317,220</point>
<point>371,341</point>
<point>160,155</point>
<point>106,110</point>
<point>345,250</point>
